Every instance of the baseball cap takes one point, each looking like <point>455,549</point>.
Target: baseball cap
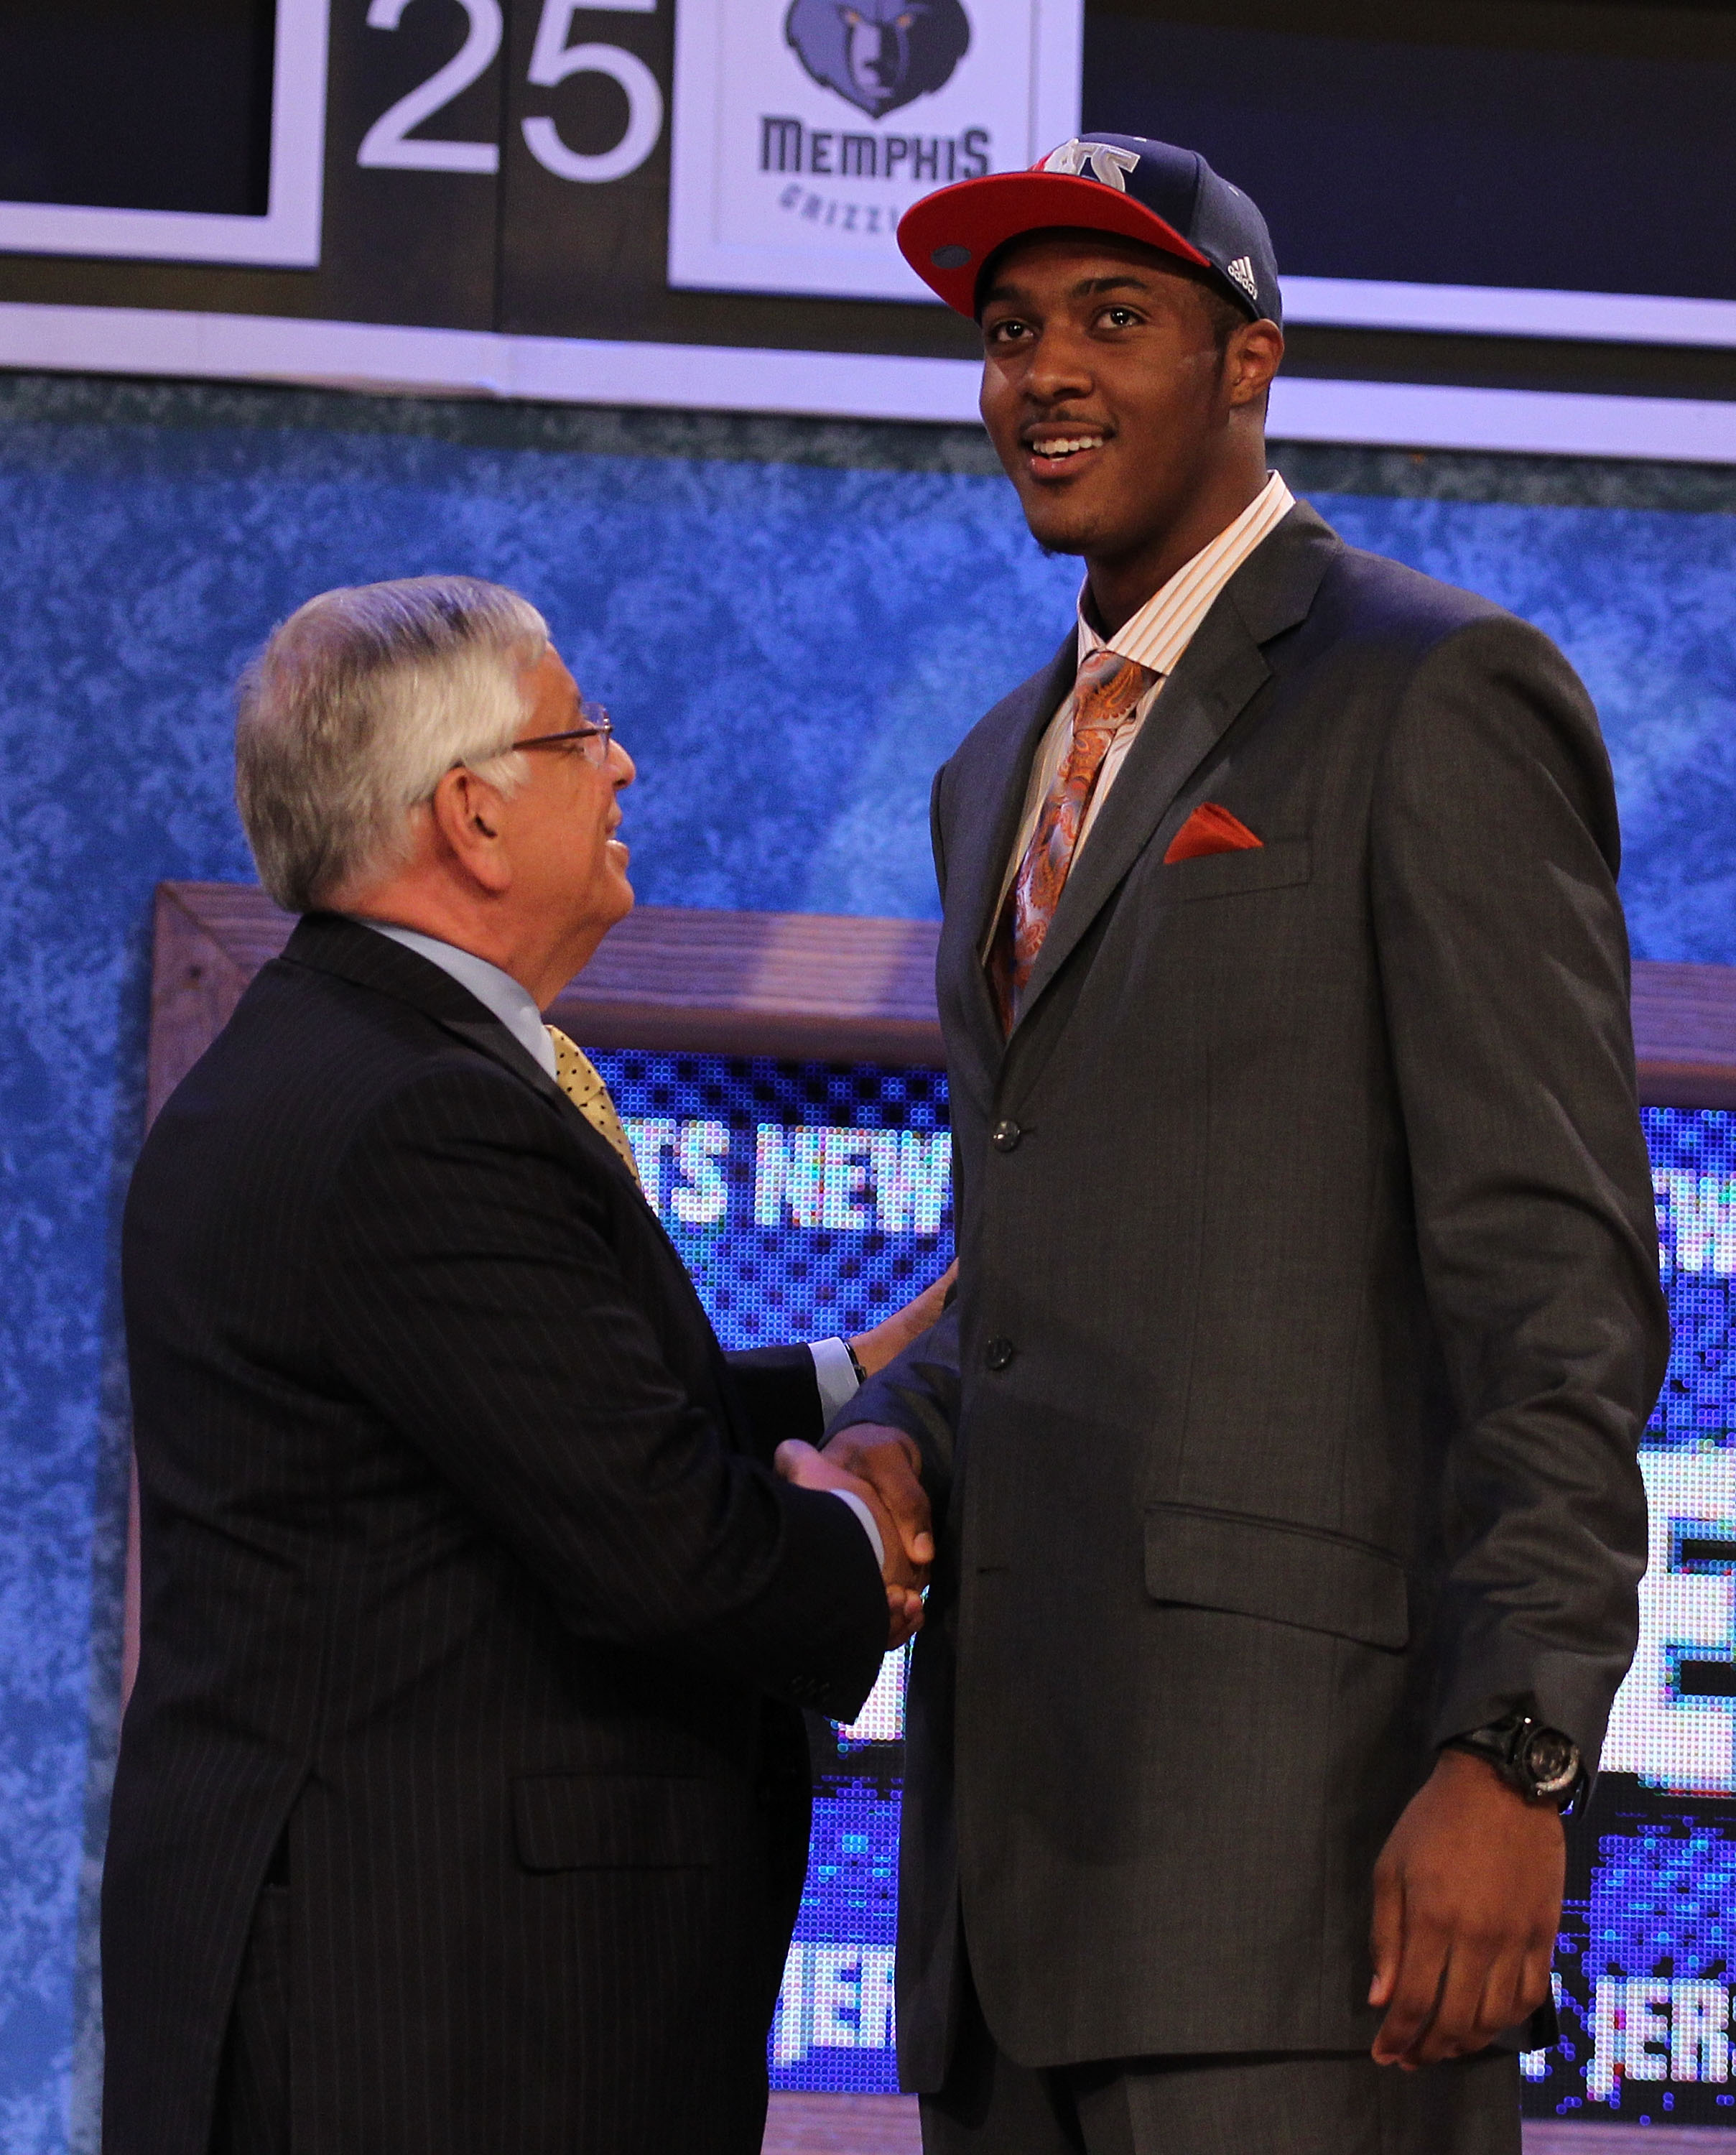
<point>1128,184</point>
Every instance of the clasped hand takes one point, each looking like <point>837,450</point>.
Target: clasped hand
<point>1467,1901</point>
<point>882,1467</point>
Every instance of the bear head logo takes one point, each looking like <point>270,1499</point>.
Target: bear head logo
<point>878,54</point>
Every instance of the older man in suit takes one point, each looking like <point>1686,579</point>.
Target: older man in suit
<point>461,1802</point>
<point>1283,1437</point>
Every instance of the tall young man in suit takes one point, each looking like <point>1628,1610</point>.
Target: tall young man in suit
<point>462,1805</point>
<point>1283,1437</point>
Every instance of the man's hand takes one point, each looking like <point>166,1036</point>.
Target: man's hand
<point>808,1469</point>
<point>1467,1901</point>
<point>894,1334</point>
<point>891,1465</point>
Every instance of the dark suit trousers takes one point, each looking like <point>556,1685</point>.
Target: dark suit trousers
<point>1326,2103</point>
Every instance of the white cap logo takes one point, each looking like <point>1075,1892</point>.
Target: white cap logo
<point>1242,270</point>
<point>1108,164</point>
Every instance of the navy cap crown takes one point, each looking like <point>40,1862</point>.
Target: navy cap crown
<point>1194,201</point>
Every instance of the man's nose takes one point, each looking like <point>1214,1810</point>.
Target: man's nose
<point>621,767</point>
<point>1059,367</point>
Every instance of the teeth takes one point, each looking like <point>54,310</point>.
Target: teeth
<point>1068,448</point>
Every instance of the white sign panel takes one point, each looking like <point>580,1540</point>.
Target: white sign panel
<point>804,129</point>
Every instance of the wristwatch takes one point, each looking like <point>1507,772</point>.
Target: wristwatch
<point>1542,1763</point>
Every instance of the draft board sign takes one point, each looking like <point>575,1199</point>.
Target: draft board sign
<point>804,129</point>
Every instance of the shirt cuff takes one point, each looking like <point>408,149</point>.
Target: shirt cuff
<point>835,1374</point>
<point>848,1496</point>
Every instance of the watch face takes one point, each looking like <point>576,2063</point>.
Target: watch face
<point>1551,1760</point>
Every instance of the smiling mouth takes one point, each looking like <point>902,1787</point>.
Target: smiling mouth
<point>1062,449</point>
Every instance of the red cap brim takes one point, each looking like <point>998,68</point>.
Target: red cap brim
<point>972,218</point>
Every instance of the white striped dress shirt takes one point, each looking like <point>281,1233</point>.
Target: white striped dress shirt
<point>1156,636</point>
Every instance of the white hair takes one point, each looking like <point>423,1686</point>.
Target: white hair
<point>358,707</point>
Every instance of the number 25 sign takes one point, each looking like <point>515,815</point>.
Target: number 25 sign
<point>389,142</point>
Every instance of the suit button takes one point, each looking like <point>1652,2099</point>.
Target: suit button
<point>998,1353</point>
<point>1005,1136</point>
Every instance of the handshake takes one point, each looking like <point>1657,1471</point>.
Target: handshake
<point>883,1467</point>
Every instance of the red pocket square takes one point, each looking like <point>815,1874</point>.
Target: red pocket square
<point>1210,830</point>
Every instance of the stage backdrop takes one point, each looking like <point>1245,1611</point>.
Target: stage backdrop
<point>793,625</point>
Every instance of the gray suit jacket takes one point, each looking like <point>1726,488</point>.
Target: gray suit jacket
<point>1309,1318</point>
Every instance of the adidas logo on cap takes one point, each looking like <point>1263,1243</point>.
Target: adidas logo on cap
<point>1241,269</point>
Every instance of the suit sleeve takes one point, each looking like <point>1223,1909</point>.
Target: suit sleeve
<point>779,1397</point>
<point>1504,963</point>
<point>474,1298</point>
<point>917,1392</point>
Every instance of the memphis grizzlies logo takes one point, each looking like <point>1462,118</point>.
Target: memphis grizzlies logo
<point>878,54</point>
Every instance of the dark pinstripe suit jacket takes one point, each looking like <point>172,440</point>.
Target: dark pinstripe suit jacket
<point>467,1584</point>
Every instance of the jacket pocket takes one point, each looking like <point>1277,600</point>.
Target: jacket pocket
<point>1270,866</point>
<point>617,1821</point>
<point>1288,1574</point>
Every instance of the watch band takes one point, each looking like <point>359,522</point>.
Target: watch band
<point>1542,1763</point>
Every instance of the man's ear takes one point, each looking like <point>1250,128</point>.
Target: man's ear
<point>1255,352</point>
<point>470,826</point>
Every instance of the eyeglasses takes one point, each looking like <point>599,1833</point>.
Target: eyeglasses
<point>594,738</point>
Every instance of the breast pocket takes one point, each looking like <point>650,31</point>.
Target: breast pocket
<point>617,1822</point>
<point>1274,866</point>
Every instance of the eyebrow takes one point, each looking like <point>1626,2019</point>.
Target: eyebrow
<point>1087,288</point>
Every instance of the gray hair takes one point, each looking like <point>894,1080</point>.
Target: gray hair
<point>358,707</point>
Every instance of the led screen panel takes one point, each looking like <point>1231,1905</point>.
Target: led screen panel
<point>176,129</point>
<point>1645,1967</point>
<point>809,1199</point>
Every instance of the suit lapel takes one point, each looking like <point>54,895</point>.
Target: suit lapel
<point>1219,673</point>
<point>333,944</point>
<point>980,837</point>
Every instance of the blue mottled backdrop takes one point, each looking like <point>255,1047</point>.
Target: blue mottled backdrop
<point>793,624</point>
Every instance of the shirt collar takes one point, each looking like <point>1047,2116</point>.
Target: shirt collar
<point>505,998</point>
<point>1157,635</point>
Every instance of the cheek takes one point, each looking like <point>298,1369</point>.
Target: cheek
<point>998,400</point>
<point>589,832</point>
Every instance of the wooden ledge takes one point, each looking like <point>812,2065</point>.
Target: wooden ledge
<point>1684,1034</point>
<point>800,986</point>
<point>803,986</point>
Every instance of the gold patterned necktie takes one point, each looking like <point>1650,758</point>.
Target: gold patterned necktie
<point>1106,693</point>
<point>579,1077</point>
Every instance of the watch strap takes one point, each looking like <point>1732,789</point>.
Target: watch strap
<point>1505,1745</point>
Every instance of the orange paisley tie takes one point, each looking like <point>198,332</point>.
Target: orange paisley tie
<point>1106,693</point>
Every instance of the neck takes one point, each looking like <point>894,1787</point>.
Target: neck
<point>486,930</point>
<point>1119,584</point>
